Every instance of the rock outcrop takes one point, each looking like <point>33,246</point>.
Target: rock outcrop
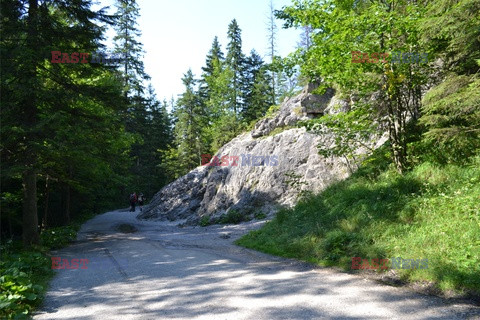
<point>272,169</point>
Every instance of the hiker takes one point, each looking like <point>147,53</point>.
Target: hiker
<point>141,198</point>
<point>133,200</point>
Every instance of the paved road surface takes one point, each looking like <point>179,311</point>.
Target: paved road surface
<point>166,272</point>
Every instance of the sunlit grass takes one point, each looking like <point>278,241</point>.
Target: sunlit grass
<point>431,212</point>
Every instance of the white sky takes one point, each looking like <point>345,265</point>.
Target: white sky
<point>177,35</point>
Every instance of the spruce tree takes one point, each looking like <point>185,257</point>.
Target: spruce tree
<point>272,31</point>
<point>128,47</point>
<point>235,61</point>
<point>61,119</point>
<point>258,88</point>
<point>189,137</point>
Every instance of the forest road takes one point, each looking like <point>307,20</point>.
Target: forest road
<point>162,271</point>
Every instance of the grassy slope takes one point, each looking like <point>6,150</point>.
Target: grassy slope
<point>431,212</point>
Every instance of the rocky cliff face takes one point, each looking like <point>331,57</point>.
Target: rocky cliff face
<point>267,168</point>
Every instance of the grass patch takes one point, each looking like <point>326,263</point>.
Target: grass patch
<point>431,212</point>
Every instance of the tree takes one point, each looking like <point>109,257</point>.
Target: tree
<point>45,105</point>
<point>272,31</point>
<point>127,45</point>
<point>213,61</point>
<point>145,116</point>
<point>235,61</point>
<point>154,129</point>
<point>189,136</point>
<point>346,27</point>
<point>451,110</point>
<point>258,88</point>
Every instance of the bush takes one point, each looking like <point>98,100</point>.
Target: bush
<point>233,217</point>
<point>204,221</point>
<point>259,215</point>
<point>25,273</point>
<point>24,279</point>
<point>59,237</point>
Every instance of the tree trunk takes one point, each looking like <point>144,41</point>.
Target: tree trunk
<point>45,213</point>
<point>67,204</point>
<point>30,218</point>
<point>396,126</point>
<point>29,176</point>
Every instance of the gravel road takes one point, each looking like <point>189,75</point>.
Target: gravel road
<point>161,271</point>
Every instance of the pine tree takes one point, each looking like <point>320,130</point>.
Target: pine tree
<point>451,110</point>
<point>209,90</point>
<point>272,31</point>
<point>258,89</point>
<point>214,56</point>
<point>235,61</point>
<point>144,108</point>
<point>61,120</point>
<point>189,136</point>
<point>127,46</point>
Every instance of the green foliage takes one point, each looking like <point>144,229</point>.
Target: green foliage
<point>235,60</point>
<point>259,215</point>
<point>377,213</point>
<point>22,282</point>
<point>233,217</point>
<point>204,221</point>
<point>189,133</point>
<point>342,27</point>
<point>451,30</point>
<point>257,88</point>
<point>232,93</point>
<point>451,115</point>
<point>126,42</point>
<point>348,132</point>
<point>59,237</point>
<point>62,124</point>
<point>272,110</point>
<point>24,274</point>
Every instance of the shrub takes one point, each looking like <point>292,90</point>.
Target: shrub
<point>24,276</point>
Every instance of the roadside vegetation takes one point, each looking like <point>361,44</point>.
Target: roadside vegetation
<point>25,273</point>
<point>418,196</point>
<point>430,212</point>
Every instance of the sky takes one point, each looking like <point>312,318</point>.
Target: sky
<point>177,35</point>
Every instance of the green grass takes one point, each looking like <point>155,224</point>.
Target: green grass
<point>431,212</point>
